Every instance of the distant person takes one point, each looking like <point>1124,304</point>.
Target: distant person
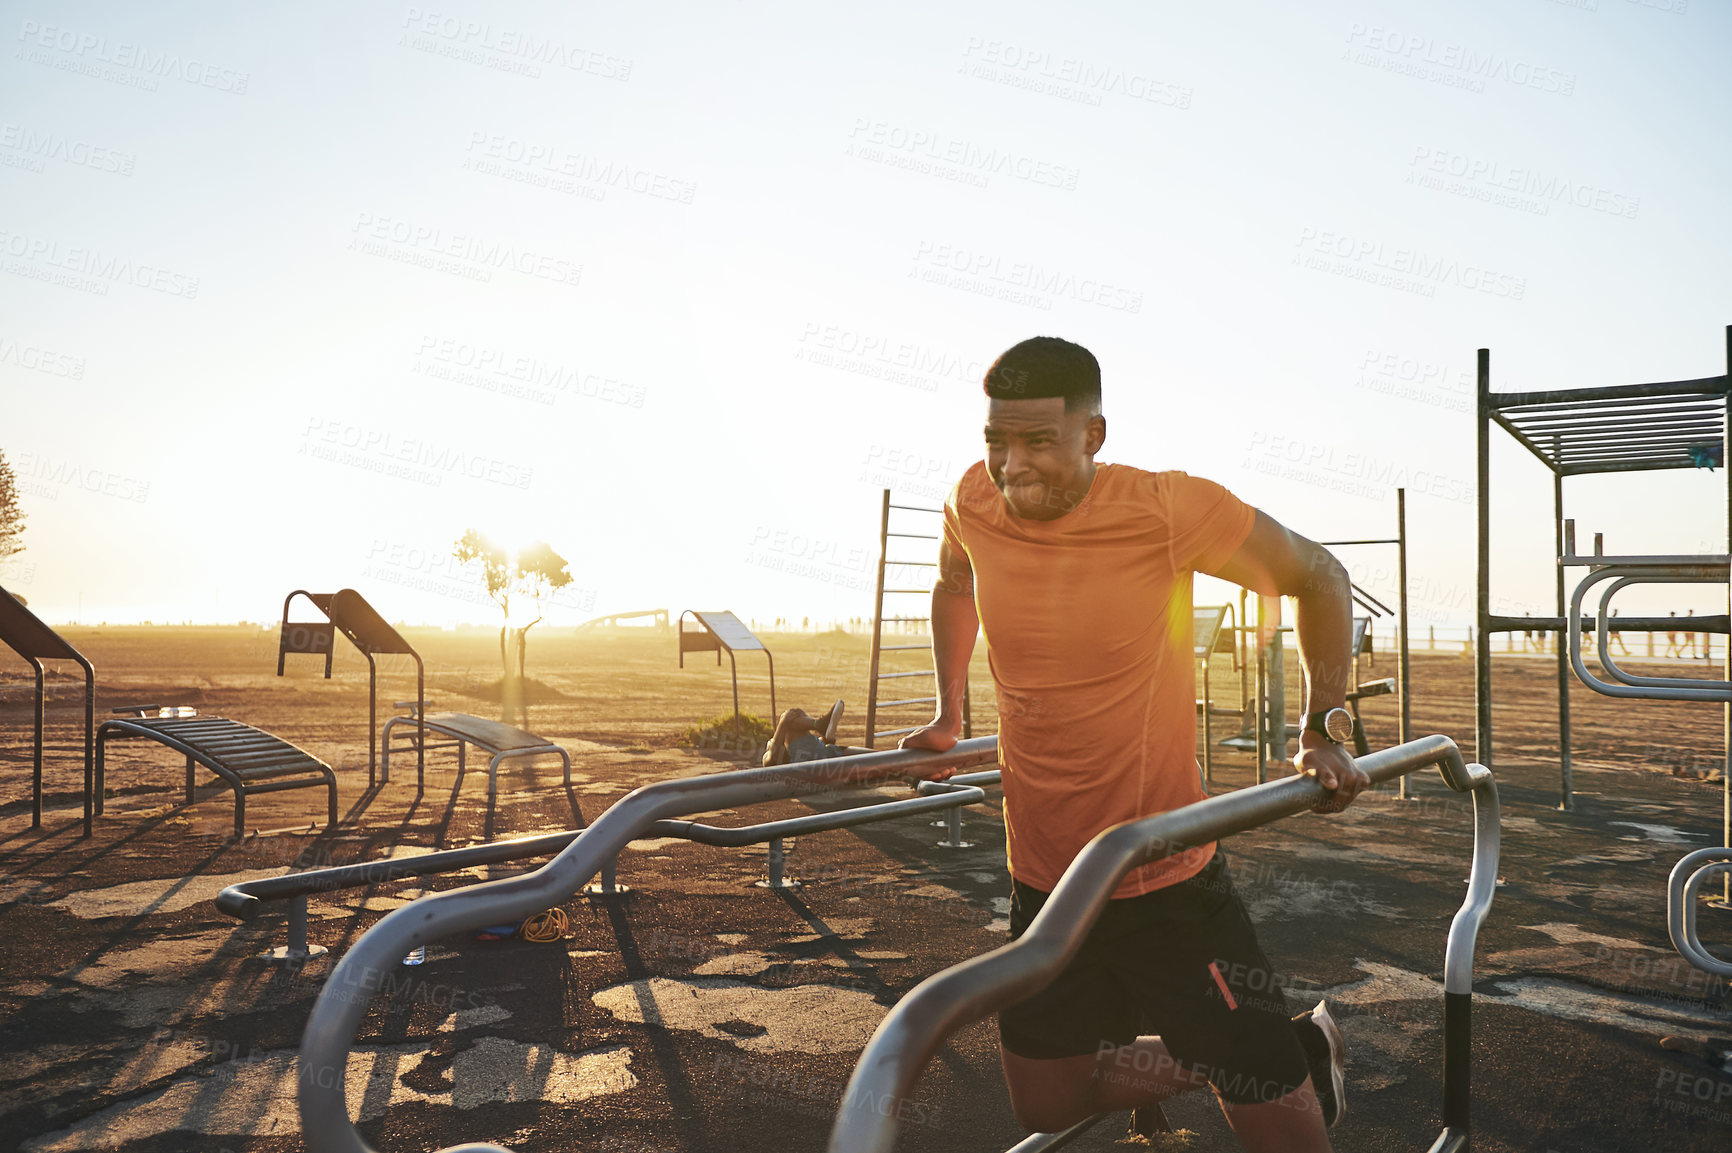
<point>1690,637</point>
<point>1617,637</point>
<point>1672,637</point>
<point>1527,635</point>
<point>800,737</point>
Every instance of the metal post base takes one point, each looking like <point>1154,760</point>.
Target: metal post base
<point>297,951</point>
<point>953,822</point>
<point>778,858</point>
<point>607,886</point>
<point>287,955</point>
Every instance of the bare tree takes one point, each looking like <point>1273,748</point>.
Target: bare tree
<point>534,573</point>
<point>11,516</point>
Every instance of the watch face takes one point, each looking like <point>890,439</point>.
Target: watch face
<point>1338,724</point>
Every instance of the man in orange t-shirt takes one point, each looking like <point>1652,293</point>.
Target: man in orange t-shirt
<point>1079,577</point>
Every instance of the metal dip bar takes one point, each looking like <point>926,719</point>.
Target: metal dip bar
<point>908,1036</point>
<point>330,1032</point>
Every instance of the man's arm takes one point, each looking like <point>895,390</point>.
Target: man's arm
<point>954,627</point>
<point>1275,561</point>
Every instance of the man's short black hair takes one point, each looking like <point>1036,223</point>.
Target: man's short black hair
<point>1047,366</point>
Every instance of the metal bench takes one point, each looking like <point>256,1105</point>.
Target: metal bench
<point>248,760</point>
<point>500,741</point>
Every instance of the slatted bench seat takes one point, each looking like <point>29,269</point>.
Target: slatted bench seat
<point>248,760</point>
<point>500,741</point>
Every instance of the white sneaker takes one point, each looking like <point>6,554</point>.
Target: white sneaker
<point>1326,1053</point>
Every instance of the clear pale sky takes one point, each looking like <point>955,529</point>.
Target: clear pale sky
<point>295,293</point>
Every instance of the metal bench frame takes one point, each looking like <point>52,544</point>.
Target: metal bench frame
<point>462,734</point>
<point>249,760</point>
<point>26,634</point>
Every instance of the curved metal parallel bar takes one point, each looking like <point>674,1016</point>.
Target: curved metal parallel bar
<point>1603,639</point>
<point>1682,888</point>
<point>945,1002</point>
<point>1667,689</point>
<point>245,900</point>
<point>325,1122</point>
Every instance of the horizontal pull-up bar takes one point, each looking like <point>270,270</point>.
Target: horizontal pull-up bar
<point>1702,624</point>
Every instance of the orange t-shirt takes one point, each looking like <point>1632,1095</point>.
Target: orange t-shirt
<point>1087,621</point>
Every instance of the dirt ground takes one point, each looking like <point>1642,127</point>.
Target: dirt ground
<point>700,1012</point>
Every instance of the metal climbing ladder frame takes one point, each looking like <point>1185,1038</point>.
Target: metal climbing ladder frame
<point>876,675</point>
<point>1576,432</point>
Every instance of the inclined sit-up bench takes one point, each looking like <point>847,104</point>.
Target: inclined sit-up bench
<point>347,611</point>
<point>25,634</point>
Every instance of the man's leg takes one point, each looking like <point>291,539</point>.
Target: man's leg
<point>1051,1095</point>
<point>1292,1124</point>
<point>1207,988</point>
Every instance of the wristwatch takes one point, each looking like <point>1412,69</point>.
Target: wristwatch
<point>1336,724</point>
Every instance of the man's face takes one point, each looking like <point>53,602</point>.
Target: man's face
<point>1039,456</point>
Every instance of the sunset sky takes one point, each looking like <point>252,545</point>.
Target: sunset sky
<point>295,293</point>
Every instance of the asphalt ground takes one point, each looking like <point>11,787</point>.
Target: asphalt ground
<point>701,1012</point>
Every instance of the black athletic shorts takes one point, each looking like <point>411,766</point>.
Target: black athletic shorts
<point>1182,963</point>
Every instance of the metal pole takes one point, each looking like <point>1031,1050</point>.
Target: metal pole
<point>36,792</point>
<point>1482,589</point>
<point>1277,692</point>
<point>1566,797</point>
<point>776,859</point>
<point>1260,712</point>
<point>1726,774</point>
<point>878,625</point>
<point>1208,761</point>
<point>1402,681</point>
<point>372,718</point>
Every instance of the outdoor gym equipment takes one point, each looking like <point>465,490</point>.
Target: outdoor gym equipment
<point>1693,871</point>
<point>935,1009</point>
